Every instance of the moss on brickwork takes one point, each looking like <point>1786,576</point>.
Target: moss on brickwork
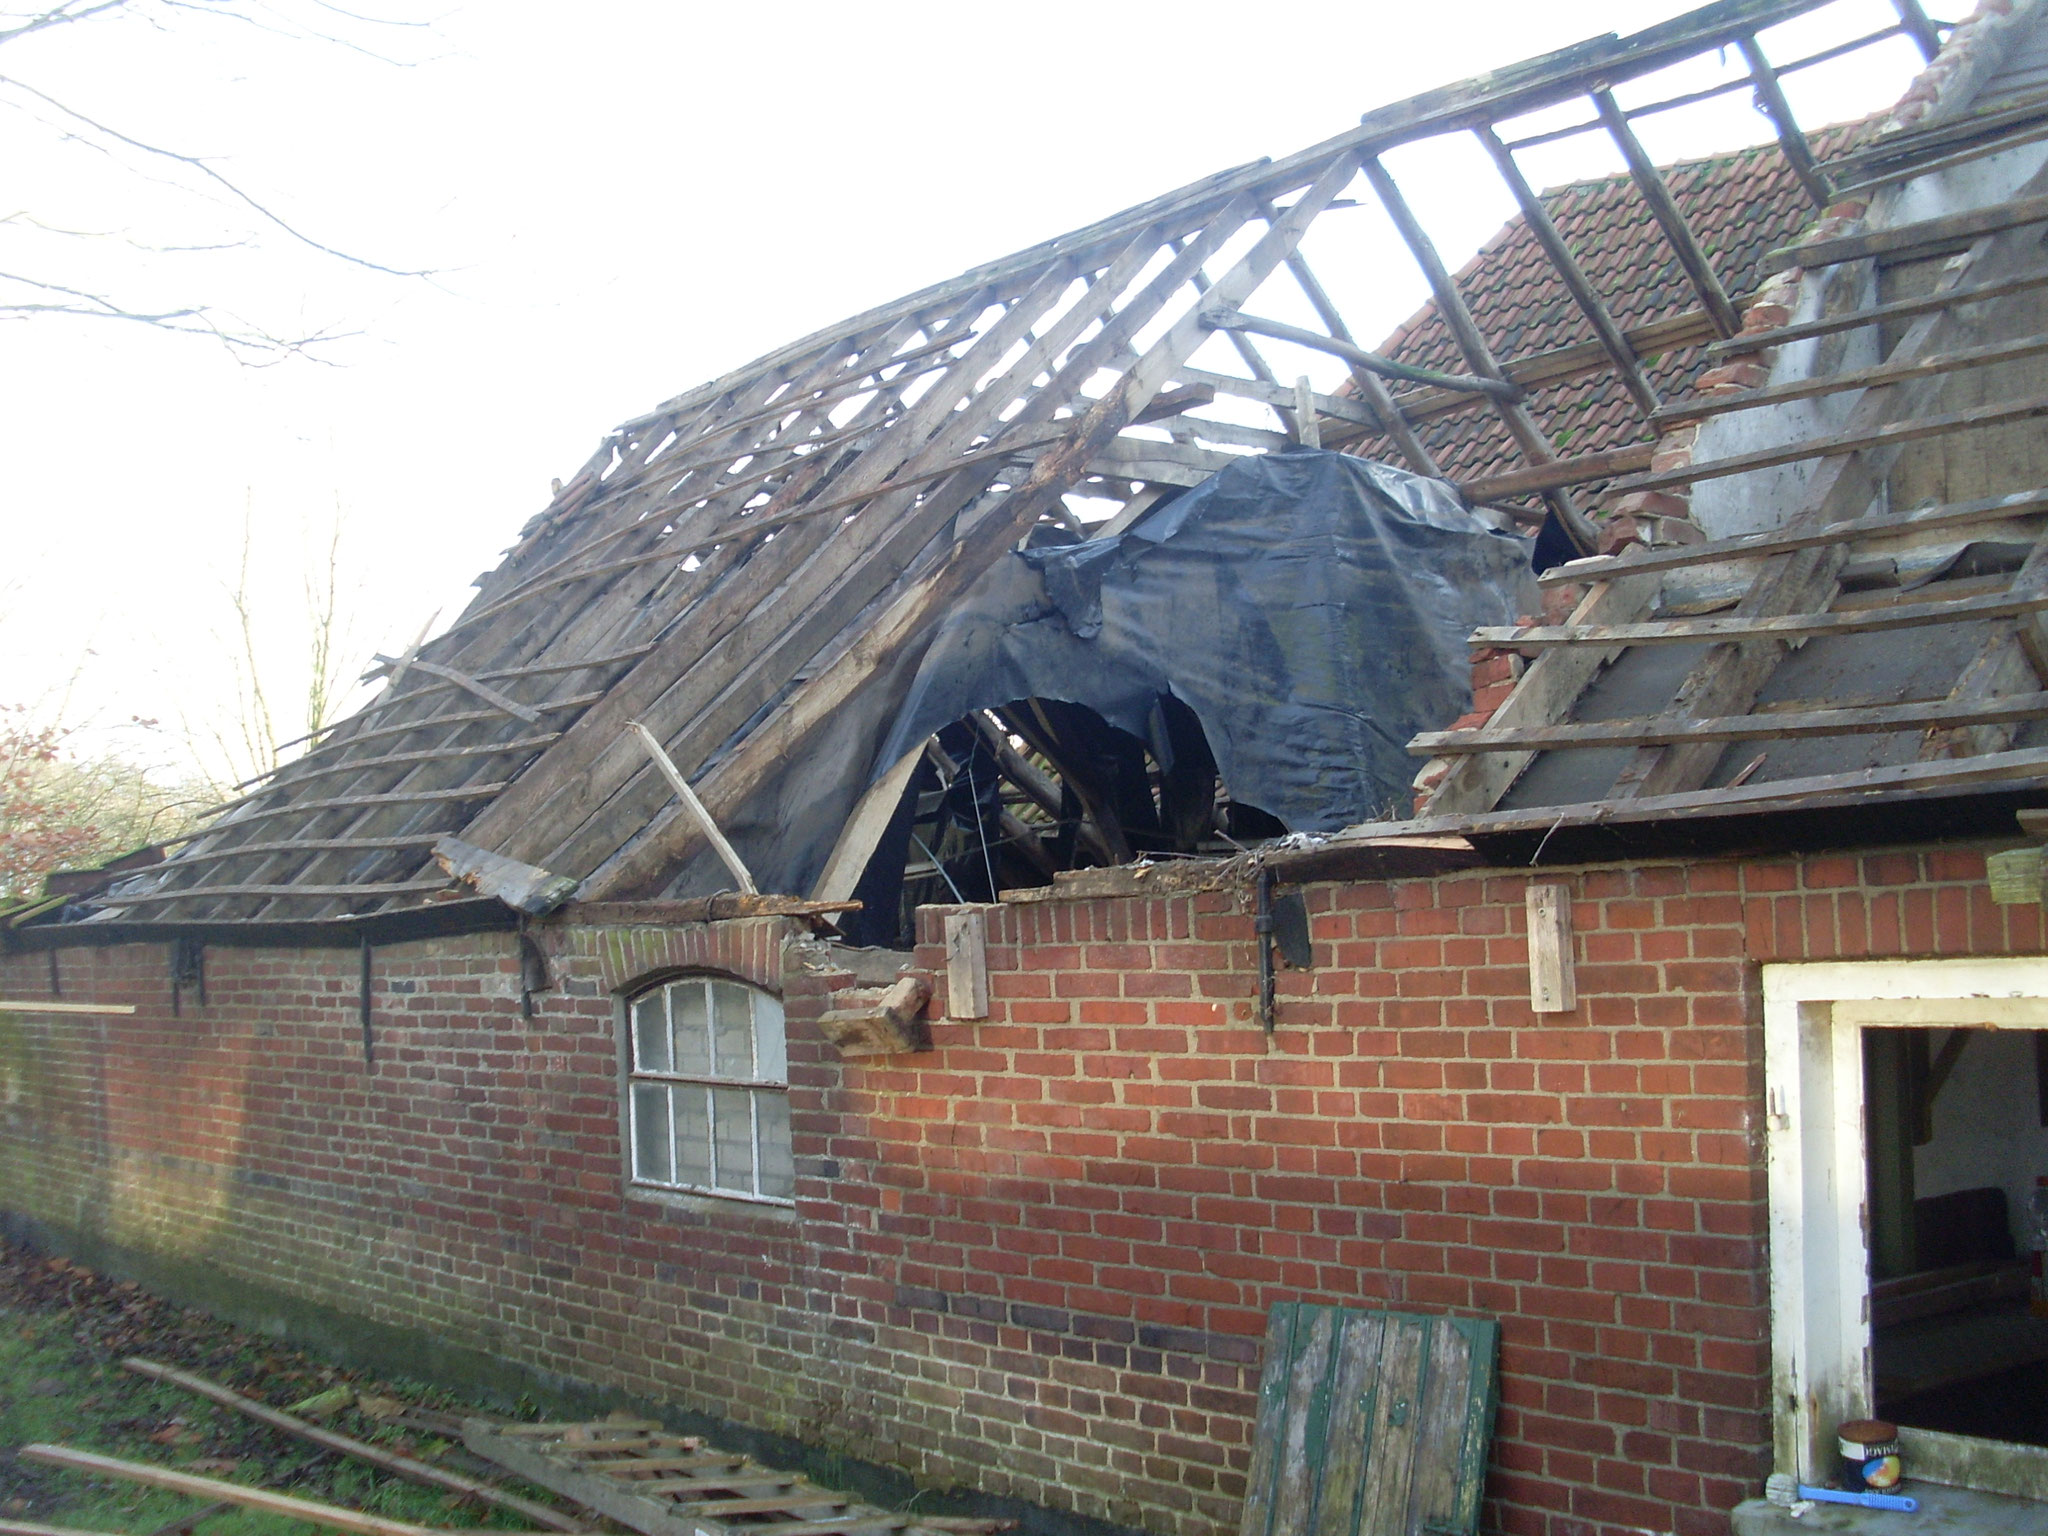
<point>360,1343</point>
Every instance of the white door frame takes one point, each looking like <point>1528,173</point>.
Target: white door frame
<point>1814,1016</point>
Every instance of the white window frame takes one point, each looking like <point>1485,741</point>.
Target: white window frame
<point>1814,1018</point>
<point>765,1014</point>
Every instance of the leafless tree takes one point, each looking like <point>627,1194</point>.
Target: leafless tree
<point>235,747</point>
<point>38,279</point>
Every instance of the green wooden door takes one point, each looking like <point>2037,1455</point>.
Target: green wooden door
<point>1371,1424</point>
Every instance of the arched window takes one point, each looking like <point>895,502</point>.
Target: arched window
<point>708,1091</point>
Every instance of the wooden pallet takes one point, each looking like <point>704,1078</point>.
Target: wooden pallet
<point>663,1484</point>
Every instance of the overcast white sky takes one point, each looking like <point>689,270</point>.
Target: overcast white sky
<point>621,199</point>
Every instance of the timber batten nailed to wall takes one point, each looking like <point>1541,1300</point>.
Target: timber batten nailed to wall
<point>1035,1259</point>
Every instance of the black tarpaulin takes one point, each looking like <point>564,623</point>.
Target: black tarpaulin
<point>1311,609</point>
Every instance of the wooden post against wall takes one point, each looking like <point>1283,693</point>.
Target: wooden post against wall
<point>966,965</point>
<point>1553,987</point>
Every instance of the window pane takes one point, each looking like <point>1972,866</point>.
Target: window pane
<point>650,1133</point>
<point>693,1036</point>
<point>693,1136</point>
<point>732,1029</point>
<point>778,1169</point>
<point>771,1059</point>
<point>650,1035</point>
<point>733,1134</point>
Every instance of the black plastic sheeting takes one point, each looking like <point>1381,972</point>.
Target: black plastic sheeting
<point>1311,608</point>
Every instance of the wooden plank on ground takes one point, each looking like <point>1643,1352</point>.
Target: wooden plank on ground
<point>647,1465</point>
<point>377,1456</point>
<point>329,1515</point>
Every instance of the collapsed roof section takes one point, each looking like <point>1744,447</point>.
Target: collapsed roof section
<point>704,598</point>
<point>1859,641</point>
<point>1740,206</point>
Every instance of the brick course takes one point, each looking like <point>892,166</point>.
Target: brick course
<point>1034,1260</point>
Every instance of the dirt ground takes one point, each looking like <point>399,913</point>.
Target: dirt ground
<point>63,1334</point>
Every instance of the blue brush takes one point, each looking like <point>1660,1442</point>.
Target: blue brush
<point>1867,1500</point>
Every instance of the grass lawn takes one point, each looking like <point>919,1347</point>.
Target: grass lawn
<point>63,1334</point>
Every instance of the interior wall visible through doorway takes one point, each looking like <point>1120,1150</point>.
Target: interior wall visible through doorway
<point>1822,1170</point>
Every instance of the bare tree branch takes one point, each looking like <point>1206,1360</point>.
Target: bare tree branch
<point>198,164</point>
<point>59,15</point>
<point>245,343</point>
<point>22,216</point>
<point>195,177</point>
<point>298,31</point>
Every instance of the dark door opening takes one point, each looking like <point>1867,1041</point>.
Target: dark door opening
<point>1956,1132</point>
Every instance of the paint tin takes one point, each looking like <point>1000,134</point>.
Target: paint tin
<point>1870,1455</point>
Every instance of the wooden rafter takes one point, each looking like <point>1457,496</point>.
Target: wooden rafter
<point>732,566</point>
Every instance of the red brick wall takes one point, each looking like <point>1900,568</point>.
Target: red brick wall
<point>1036,1259</point>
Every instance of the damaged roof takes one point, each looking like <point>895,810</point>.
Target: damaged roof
<point>1854,646</point>
<point>669,645</point>
<point>1741,206</point>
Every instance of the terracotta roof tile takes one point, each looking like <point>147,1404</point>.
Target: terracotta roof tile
<point>1739,206</point>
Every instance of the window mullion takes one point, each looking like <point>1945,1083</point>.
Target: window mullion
<point>754,1136</point>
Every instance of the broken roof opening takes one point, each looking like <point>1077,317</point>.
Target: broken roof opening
<point>763,558</point>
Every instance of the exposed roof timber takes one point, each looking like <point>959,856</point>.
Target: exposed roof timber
<point>2027,767</point>
<point>1490,98</point>
<point>347,931</point>
<point>743,560</point>
<point>1793,581</point>
<point>1962,514</point>
<point>1845,819</point>
<point>1727,87</point>
<point>1665,730</point>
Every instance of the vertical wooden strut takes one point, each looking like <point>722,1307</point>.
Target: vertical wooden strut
<point>1913,21</point>
<point>1529,436</point>
<point>1310,430</point>
<point>1254,359</point>
<point>1547,234</point>
<point>1369,385</point>
<point>1771,97</point>
<point>1713,297</point>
